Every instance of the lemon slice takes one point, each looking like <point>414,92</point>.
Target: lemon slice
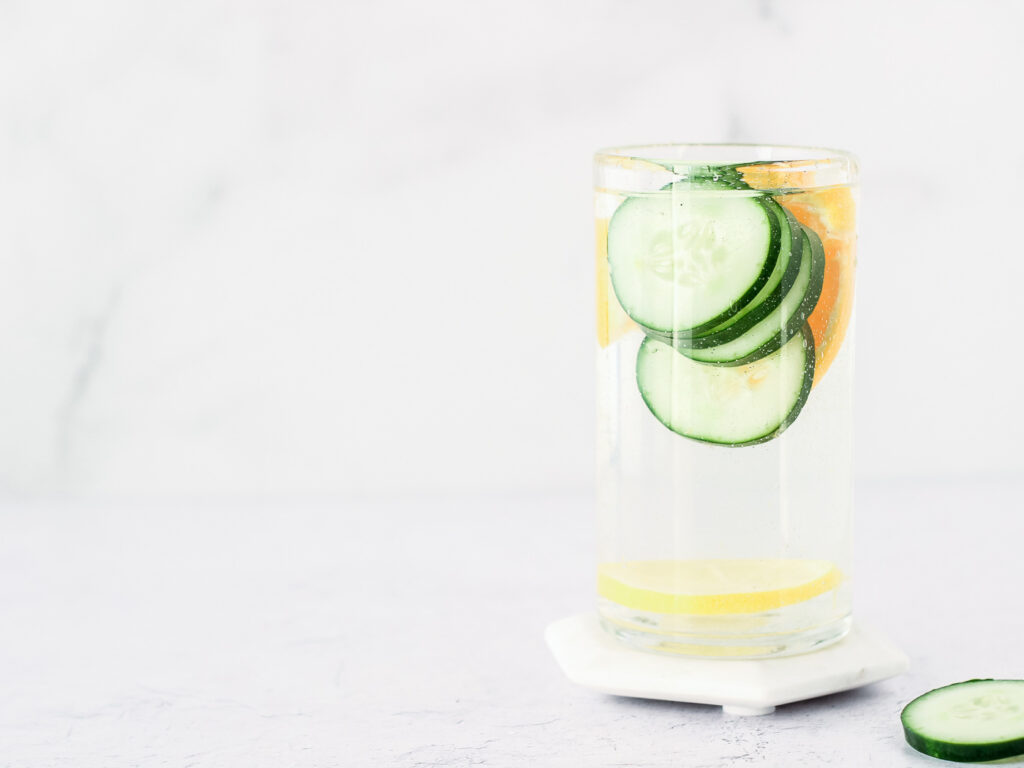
<point>714,587</point>
<point>612,322</point>
<point>630,163</point>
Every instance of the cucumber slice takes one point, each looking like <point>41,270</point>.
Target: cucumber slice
<point>741,405</point>
<point>780,325</point>
<point>686,259</point>
<point>968,722</point>
<point>771,295</point>
<point>705,176</point>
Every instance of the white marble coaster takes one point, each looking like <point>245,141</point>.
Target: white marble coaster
<point>590,656</point>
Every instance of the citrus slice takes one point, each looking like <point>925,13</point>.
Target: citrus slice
<point>830,212</point>
<point>630,163</point>
<point>793,174</point>
<point>714,587</point>
<point>612,321</point>
<point>831,319</point>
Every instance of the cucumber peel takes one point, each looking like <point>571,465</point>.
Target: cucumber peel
<point>731,406</point>
<point>968,722</point>
<point>718,276</point>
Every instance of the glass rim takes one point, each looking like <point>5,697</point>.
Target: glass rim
<point>840,166</point>
<point>807,152</point>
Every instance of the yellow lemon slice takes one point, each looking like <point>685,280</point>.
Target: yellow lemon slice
<point>714,587</point>
<point>630,163</point>
<point>612,322</point>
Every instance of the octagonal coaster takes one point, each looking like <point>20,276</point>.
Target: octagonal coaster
<point>592,657</point>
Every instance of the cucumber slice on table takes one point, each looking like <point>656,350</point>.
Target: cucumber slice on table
<point>968,722</point>
<point>741,405</point>
<point>686,259</point>
<point>782,323</point>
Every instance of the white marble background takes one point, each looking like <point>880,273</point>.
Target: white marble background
<point>346,247</point>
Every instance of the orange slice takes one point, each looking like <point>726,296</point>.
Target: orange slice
<point>612,322</point>
<point>830,320</point>
<point>781,175</point>
<point>830,212</point>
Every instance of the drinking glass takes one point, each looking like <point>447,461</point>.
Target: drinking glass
<point>725,280</point>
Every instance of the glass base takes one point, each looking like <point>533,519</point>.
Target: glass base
<point>590,656</point>
<point>748,636</point>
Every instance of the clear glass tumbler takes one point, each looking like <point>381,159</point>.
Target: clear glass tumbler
<point>725,280</point>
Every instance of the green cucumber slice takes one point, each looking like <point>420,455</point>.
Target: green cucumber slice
<point>735,406</point>
<point>780,325</point>
<point>968,722</point>
<point>705,176</point>
<point>771,295</point>
<point>686,259</point>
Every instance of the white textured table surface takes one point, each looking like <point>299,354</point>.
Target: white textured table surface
<point>411,634</point>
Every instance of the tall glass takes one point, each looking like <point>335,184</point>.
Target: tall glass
<point>725,279</point>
